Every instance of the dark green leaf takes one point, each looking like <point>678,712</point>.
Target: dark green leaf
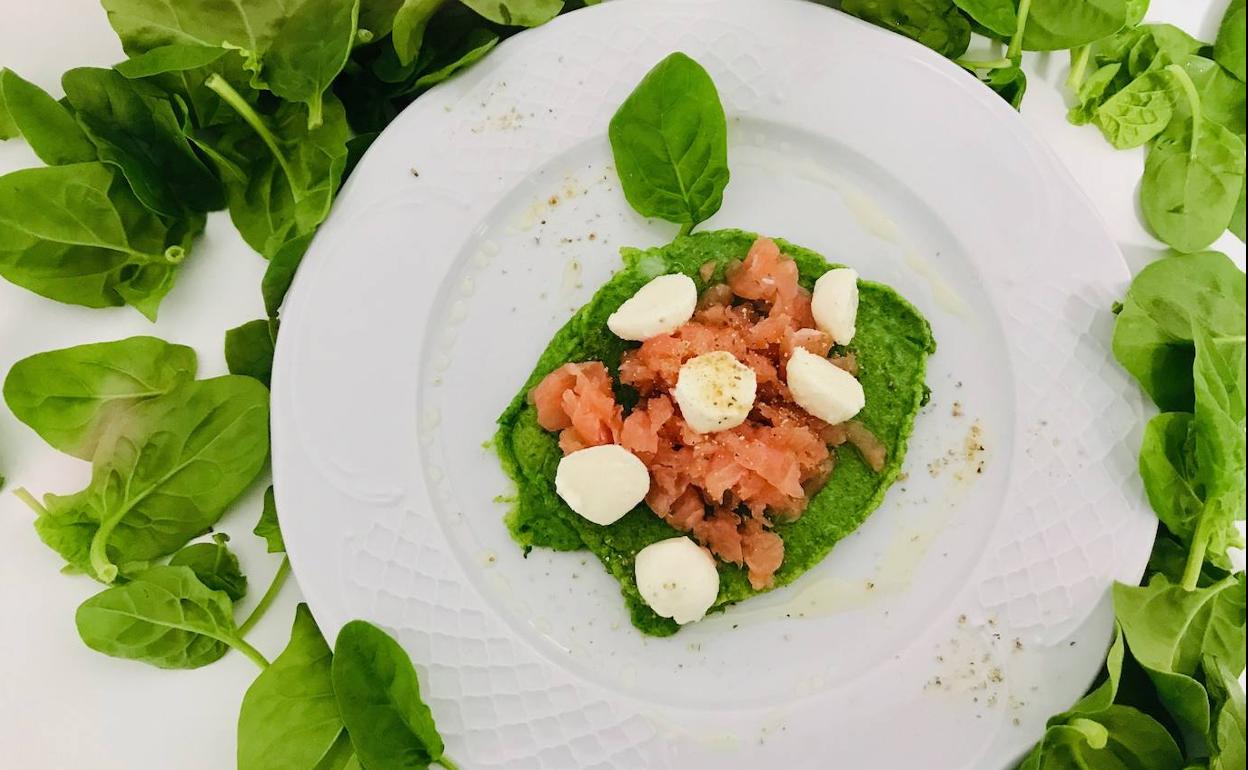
<point>378,695</point>
<point>1010,83</point>
<point>70,396</point>
<point>162,476</point>
<point>76,234</point>
<point>377,16</point>
<point>1000,16</point>
<point>1228,49</point>
<point>517,13</point>
<point>309,48</point>
<point>281,271</point>
<point>1153,334</point>
<point>268,527</point>
<point>670,143</point>
<point>1053,25</point>
<point>1169,558</point>
<point>476,45</point>
<point>936,24</point>
<point>356,147</point>
<point>1227,749</point>
<point>1118,738</point>
<point>175,57</point>
<point>49,128</point>
<point>289,717</point>
<point>164,617</point>
<point>1138,112</point>
<point>134,128</point>
<point>249,350</point>
<point>215,566</point>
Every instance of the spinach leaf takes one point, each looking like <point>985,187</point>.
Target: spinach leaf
<point>175,57</point>
<point>134,128</point>
<point>1192,176</point>
<point>1227,749</point>
<point>409,27</point>
<point>1000,16</point>
<point>49,128</point>
<point>1168,468</point>
<point>1169,558</point>
<point>215,566</point>
<point>1169,630</point>
<point>1222,97</point>
<point>1154,333</point>
<point>70,396</point>
<point>310,47</point>
<point>378,696</point>
<point>1137,113</point>
<point>670,142</point>
<point>268,527</point>
<point>937,24</point>
<point>8,129</point>
<point>1136,11</point>
<point>1228,48</point>
<point>517,13</point>
<point>1158,46</point>
<point>162,476</point>
<point>474,47</point>
<point>1052,25</point>
<point>1118,738</point>
<point>281,272</point>
<point>1093,92</point>
<point>1010,83</point>
<point>291,172</point>
<point>377,16</point>
<point>1238,224</point>
<point>164,617</point>
<point>289,718</point>
<point>76,234</point>
<point>249,349</point>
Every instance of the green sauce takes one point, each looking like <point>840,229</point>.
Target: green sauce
<point>892,343</point>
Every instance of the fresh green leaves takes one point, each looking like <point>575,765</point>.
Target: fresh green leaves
<point>77,234</point>
<point>936,24</point>
<point>379,700</point>
<point>215,566</point>
<point>670,142</point>
<point>289,718</point>
<point>70,396</point>
<point>519,13</point>
<point>1138,112</point>
<point>310,47</point>
<point>999,16</point>
<point>1052,25</point>
<point>410,22</point>
<point>1228,48</point>
<point>165,617</point>
<point>49,128</point>
<point>249,349</point>
<point>161,476</point>
<point>268,527</point>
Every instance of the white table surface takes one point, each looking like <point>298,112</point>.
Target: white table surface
<point>63,706</point>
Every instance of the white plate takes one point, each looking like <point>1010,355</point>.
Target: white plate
<point>969,607</point>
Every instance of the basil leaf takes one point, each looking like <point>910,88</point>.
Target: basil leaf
<point>1056,24</point>
<point>249,350</point>
<point>1154,333</point>
<point>290,172</point>
<point>163,617</point>
<point>670,142</point>
<point>215,566</point>
<point>76,234</point>
<point>517,13</point>
<point>162,476</point>
<point>70,396</point>
<point>268,527</point>
<point>1000,16</point>
<point>936,24</point>
<point>378,696</point>
<point>289,718</point>
<point>310,47</point>
<point>1228,48</point>
<point>1137,113</point>
<point>135,129</point>
<point>49,128</point>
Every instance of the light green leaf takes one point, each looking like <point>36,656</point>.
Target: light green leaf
<point>517,13</point>
<point>1228,48</point>
<point>310,47</point>
<point>215,566</point>
<point>268,527</point>
<point>937,24</point>
<point>49,128</point>
<point>1137,113</point>
<point>1000,16</point>
<point>409,27</point>
<point>1053,25</point>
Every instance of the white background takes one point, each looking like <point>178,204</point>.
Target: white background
<point>64,706</point>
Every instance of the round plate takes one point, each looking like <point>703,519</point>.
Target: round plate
<point>969,607</point>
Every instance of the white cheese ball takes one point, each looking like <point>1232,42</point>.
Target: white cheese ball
<point>659,307</point>
<point>822,388</point>
<point>835,304</point>
<point>602,483</point>
<point>677,579</point>
<point>715,391</point>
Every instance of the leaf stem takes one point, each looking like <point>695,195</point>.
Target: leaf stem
<point>685,229</point>
<point>989,64</point>
<point>30,500</point>
<point>240,644</point>
<point>1016,42</point>
<point>446,762</point>
<point>275,587</point>
<point>1196,555</point>
<point>1078,66</point>
<point>104,569</point>
<point>1193,101</point>
<point>222,88</point>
